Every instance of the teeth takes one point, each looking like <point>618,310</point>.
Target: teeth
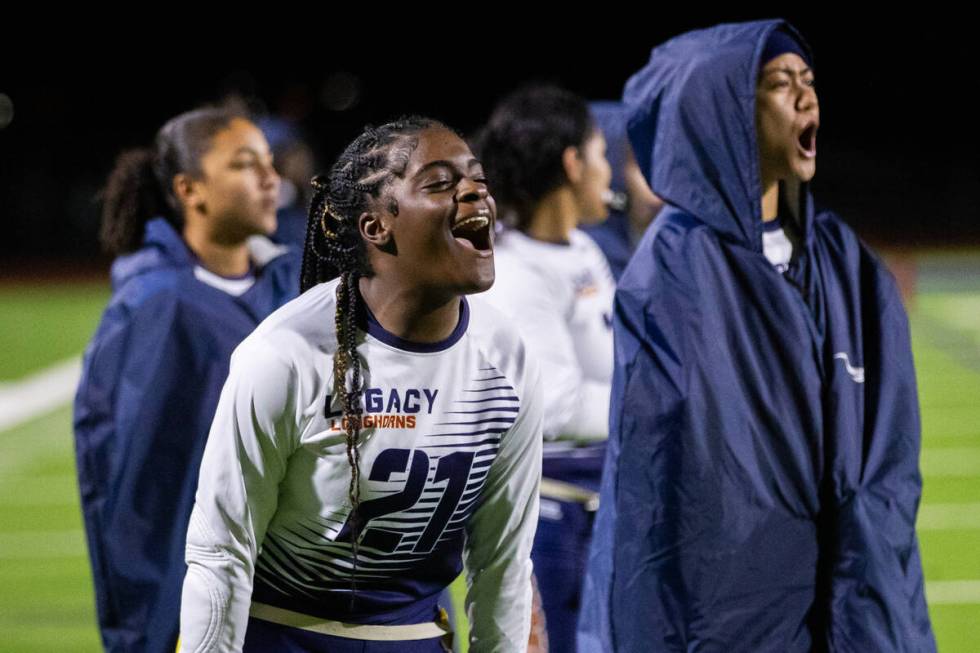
<point>473,223</point>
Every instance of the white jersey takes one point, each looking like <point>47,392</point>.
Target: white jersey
<point>450,460</point>
<point>560,297</point>
<point>776,245</point>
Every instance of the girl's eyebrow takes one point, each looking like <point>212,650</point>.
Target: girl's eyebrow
<point>788,71</point>
<point>443,163</point>
<point>247,150</point>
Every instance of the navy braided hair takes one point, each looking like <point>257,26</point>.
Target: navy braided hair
<point>334,248</point>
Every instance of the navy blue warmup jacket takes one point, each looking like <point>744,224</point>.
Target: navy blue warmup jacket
<point>150,384</point>
<point>761,480</point>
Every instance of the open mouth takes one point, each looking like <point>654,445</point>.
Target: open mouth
<point>808,140</point>
<point>474,231</point>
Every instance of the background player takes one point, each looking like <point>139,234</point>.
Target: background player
<point>296,164</point>
<point>545,159</point>
<point>189,284</point>
<point>376,429</point>
<point>634,205</point>
<point>762,479</point>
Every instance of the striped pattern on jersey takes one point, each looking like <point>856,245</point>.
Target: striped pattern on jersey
<point>413,536</point>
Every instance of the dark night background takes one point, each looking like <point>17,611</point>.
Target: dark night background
<point>897,143</point>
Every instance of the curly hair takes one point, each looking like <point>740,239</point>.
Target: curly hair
<point>522,144</point>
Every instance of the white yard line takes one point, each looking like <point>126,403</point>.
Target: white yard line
<point>950,462</point>
<point>953,592</point>
<point>42,544</point>
<point>948,516</point>
<point>39,393</point>
<point>24,490</point>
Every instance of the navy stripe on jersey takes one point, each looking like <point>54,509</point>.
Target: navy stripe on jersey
<point>481,401</point>
<point>494,441</point>
<point>505,420</point>
<point>468,433</point>
<point>504,409</point>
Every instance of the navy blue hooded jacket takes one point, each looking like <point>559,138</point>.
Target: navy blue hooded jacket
<point>150,384</point>
<point>761,480</point>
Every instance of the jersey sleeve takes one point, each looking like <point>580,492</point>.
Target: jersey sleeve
<point>573,406</point>
<point>500,533</point>
<point>244,461</point>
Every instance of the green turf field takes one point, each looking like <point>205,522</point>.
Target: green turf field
<point>46,600</point>
<point>43,324</point>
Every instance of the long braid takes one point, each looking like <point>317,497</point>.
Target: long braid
<point>334,248</point>
<point>347,359</point>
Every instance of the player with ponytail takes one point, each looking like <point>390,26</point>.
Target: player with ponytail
<point>187,218</point>
<point>377,431</point>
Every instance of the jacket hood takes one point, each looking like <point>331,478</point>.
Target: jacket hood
<point>613,234</point>
<point>163,247</point>
<point>610,119</point>
<point>692,110</point>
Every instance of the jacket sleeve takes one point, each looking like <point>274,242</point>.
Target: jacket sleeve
<point>244,461</point>
<point>95,431</point>
<point>631,576</point>
<point>594,633</point>
<point>123,422</point>
<point>641,400</point>
<point>876,587</point>
<point>500,533</point>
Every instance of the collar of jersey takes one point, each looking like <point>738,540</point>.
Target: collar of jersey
<point>773,225</point>
<point>370,324</point>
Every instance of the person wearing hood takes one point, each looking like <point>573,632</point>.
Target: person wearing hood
<point>195,275</point>
<point>761,480</point>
